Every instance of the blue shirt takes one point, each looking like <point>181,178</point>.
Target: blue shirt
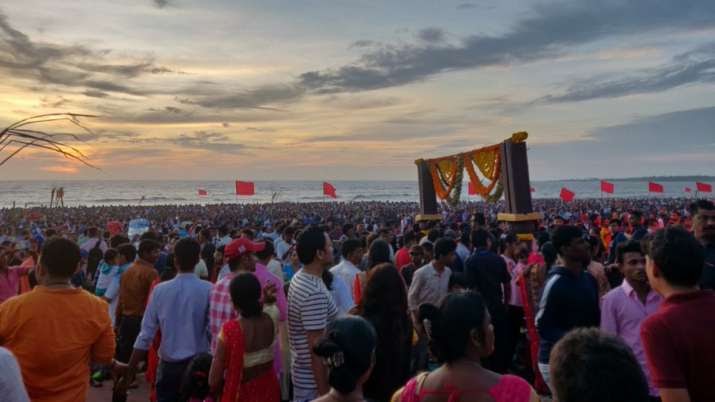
<point>180,308</point>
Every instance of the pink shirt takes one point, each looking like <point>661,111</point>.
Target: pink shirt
<point>515,271</point>
<point>622,314</point>
<point>10,281</point>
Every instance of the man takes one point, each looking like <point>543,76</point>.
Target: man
<point>127,254</point>
<point>386,235</point>
<point>402,257</point>
<point>678,338</point>
<point>588,365</point>
<point>133,295</point>
<point>703,213</point>
<point>240,256</point>
<point>310,309</point>
<point>570,296</point>
<point>430,284</point>
<point>624,308</point>
<point>352,252</point>
<point>487,274</point>
<point>638,231</point>
<point>57,330</point>
<point>207,253</point>
<point>266,258</point>
<point>284,244</point>
<point>417,254</point>
<point>179,307</point>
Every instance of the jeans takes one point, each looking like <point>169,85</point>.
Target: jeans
<point>168,380</point>
<point>129,327</point>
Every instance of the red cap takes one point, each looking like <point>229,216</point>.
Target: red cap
<point>240,247</point>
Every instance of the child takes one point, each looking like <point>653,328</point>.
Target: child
<point>195,385</point>
<point>244,354</point>
<point>107,269</point>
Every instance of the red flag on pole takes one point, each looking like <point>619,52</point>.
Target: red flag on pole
<point>607,187</point>
<point>203,192</point>
<point>567,195</point>
<point>329,190</point>
<point>688,190</point>
<point>245,188</point>
<point>655,187</point>
<point>704,187</point>
<point>471,190</point>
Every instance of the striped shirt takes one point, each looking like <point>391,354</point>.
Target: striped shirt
<point>310,308</point>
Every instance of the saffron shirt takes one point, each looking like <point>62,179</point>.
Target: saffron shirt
<point>55,334</point>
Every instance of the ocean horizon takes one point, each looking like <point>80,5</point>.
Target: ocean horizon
<point>35,193</point>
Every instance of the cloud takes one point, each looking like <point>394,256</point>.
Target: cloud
<point>258,98</point>
<point>548,31</point>
<point>92,93</point>
<point>431,35</point>
<point>466,6</point>
<point>209,141</point>
<point>160,3</point>
<point>644,146</point>
<point>67,65</point>
<point>63,169</point>
<point>697,66</point>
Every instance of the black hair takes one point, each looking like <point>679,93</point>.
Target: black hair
<point>458,279</point>
<point>60,257</point>
<point>409,237</point>
<point>443,247</point>
<point>195,382</point>
<point>428,247</point>
<point>347,348</point>
<point>267,251</point>
<point>310,241</point>
<point>117,240</point>
<point>348,227</point>
<point>588,365</point>
<point>563,235</point>
<point>149,236</point>
<point>379,253</point>
<point>186,253</point>
<point>128,251</point>
<point>700,205</point>
<point>147,246</point>
<point>433,235</point>
<point>630,246</point>
<point>450,325</point>
<point>245,292</point>
<point>110,254</point>
<point>506,240</point>
<point>206,234</point>
<point>678,256</point>
<point>349,246</point>
<point>480,219</point>
<point>480,238</point>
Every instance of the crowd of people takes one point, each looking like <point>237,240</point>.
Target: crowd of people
<point>609,300</point>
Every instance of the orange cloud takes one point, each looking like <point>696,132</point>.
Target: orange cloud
<point>61,169</point>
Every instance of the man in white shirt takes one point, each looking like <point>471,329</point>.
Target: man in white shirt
<point>284,244</point>
<point>352,252</point>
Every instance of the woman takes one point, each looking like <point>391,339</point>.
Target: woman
<point>348,350</point>
<point>384,305</point>
<point>379,253</point>
<point>244,352</point>
<point>461,334</point>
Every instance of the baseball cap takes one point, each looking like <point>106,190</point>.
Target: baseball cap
<point>240,247</point>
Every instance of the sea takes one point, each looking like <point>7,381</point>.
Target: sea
<point>134,192</point>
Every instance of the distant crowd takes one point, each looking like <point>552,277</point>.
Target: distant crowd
<point>609,300</point>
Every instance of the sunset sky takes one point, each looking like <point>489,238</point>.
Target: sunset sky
<point>359,89</point>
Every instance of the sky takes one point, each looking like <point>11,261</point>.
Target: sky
<point>359,89</point>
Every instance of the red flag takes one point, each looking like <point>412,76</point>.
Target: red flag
<point>532,189</point>
<point>688,190</point>
<point>203,192</point>
<point>704,187</point>
<point>607,187</point>
<point>655,187</point>
<point>245,188</point>
<point>329,190</point>
<point>567,195</point>
<point>471,190</point>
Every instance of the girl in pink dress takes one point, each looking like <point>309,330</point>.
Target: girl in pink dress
<point>461,334</point>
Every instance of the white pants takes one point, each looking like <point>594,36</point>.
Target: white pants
<point>544,370</point>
